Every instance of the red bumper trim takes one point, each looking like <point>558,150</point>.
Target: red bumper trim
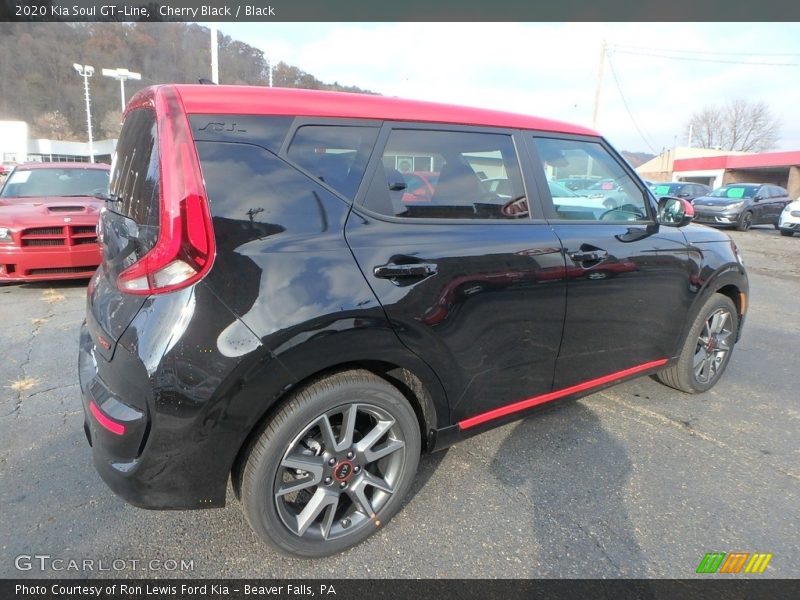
<point>555,395</point>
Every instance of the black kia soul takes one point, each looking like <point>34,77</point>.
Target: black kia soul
<point>279,304</point>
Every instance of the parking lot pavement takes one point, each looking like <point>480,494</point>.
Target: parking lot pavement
<point>635,481</point>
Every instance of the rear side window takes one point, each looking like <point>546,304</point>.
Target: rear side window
<point>134,172</point>
<point>463,175</point>
<point>334,154</point>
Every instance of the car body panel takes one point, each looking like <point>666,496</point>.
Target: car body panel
<point>190,376</point>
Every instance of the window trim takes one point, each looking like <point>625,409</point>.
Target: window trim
<point>547,200</point>
<point>376,161</point>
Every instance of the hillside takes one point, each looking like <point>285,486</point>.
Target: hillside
<point>39,85</point>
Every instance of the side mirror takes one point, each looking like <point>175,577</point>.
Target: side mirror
<point>675,212</point>
<point>757,198</point>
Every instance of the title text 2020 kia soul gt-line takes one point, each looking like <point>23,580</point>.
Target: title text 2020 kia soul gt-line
<point>272,308</point>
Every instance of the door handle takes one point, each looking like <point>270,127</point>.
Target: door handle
<point>392,271</point>
<point>592,256</point>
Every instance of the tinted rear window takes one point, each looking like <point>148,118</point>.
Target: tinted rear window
<point>336,155</point>
<point>134,172</point>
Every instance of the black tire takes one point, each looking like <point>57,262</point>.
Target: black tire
<point>682,374</point>
<point>745,221</point>
<point>277,519</point>
<point>786,232</point>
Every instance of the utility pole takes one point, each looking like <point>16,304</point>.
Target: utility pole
<point>214,54</point>
<point>87,71</point>
<point>269,64</point>
<point>689,141</point>
<point>122,75</point>
<point>603,49</point>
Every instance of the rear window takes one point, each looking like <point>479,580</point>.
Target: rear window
<point>134,185</point>
<point>334,154</point>
<point>75,181</point>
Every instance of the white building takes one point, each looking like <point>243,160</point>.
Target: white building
<point>17,147</point>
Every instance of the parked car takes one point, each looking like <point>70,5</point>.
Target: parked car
<point>741,205</point>
<point>419,186</point>
<point>48,219</point>
<point>789,222</point>
<point>680,189</point>
<point>269,311</point>
<point>576,184</point>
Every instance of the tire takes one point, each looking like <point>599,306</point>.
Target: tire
<point>745,221</point>
<point>682,375</point>
<point>786,232</point>
<point>299,503</point>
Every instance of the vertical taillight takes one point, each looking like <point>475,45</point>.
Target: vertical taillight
<point>184,250</point>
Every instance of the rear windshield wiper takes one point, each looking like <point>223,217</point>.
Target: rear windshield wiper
<point>109,198</point>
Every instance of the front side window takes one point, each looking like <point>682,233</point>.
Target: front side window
<point>334,154</point>
<point>464,175</point>
<point>614,196</point>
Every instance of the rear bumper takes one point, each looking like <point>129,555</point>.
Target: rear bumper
<point>58,262</point>
<point>165,412</point>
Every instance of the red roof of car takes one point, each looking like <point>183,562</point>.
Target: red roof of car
<point>62,165</point>
<point>253,100</point>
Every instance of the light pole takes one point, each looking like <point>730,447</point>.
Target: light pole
<point>214,54</point>
<point>122,75</point>
<point>87,71</point>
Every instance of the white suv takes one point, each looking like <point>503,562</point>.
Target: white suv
<point>790,218</point>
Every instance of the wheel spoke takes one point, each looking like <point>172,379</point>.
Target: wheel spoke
<point>717,321</point>
<point>373,454</point>
<point>370,439</point>
<point>298,484</point>
<point>303,462</point>
<point>723,340</point>
<point>378,482</point>
<point>348,427</point>
<point>330,516</point>
<point>699,356</point>
<point>319,501</point>
<point>313,467</point>
<point>328,437</point>
<point>359,498</point>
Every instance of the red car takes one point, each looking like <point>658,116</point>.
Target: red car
<point>48,220</point>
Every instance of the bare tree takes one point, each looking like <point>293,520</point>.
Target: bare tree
<point>111,123</point>
<point>738,125</point>
<point>52,125</point>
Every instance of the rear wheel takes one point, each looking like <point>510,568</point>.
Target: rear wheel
<point>745,221</point>
<point>333,466</point>
<point>707,348</point>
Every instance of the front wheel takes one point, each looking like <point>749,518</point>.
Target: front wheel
<point>745,221</point>
<point>332,466</point>
<point>707,349</point>
<point>787,232</point>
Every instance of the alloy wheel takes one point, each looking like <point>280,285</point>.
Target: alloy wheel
<point>713,345</point>
<point>339,471</point>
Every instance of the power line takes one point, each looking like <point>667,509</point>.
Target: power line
<point>707,60</point>
<point>625,103</point>
<point>678,50</point>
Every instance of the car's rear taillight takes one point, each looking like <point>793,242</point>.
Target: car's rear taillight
<point>184,250</point>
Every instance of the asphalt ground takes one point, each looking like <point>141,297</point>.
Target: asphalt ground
<point>635,481</point>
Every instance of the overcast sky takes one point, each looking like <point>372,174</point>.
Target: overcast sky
<point>551,69</point>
